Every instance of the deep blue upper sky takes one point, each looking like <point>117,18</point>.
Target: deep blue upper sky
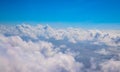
<point>62,11</point>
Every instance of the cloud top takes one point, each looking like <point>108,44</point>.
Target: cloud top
<point>26,48</point>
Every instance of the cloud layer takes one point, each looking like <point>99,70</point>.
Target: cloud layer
<point>26,48</point>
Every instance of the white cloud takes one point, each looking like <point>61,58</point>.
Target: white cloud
<point>31,56</point>
<point>111,66</point>
<point>26,48</point>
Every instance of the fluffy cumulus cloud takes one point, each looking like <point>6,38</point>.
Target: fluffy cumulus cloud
<point>26,48</point>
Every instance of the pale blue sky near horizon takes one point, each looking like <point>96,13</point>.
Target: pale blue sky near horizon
<point>101,14</point>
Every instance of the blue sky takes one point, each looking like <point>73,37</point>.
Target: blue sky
<point>70,12</point>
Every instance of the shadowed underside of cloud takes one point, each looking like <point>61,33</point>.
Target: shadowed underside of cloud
<point>26,48</point>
